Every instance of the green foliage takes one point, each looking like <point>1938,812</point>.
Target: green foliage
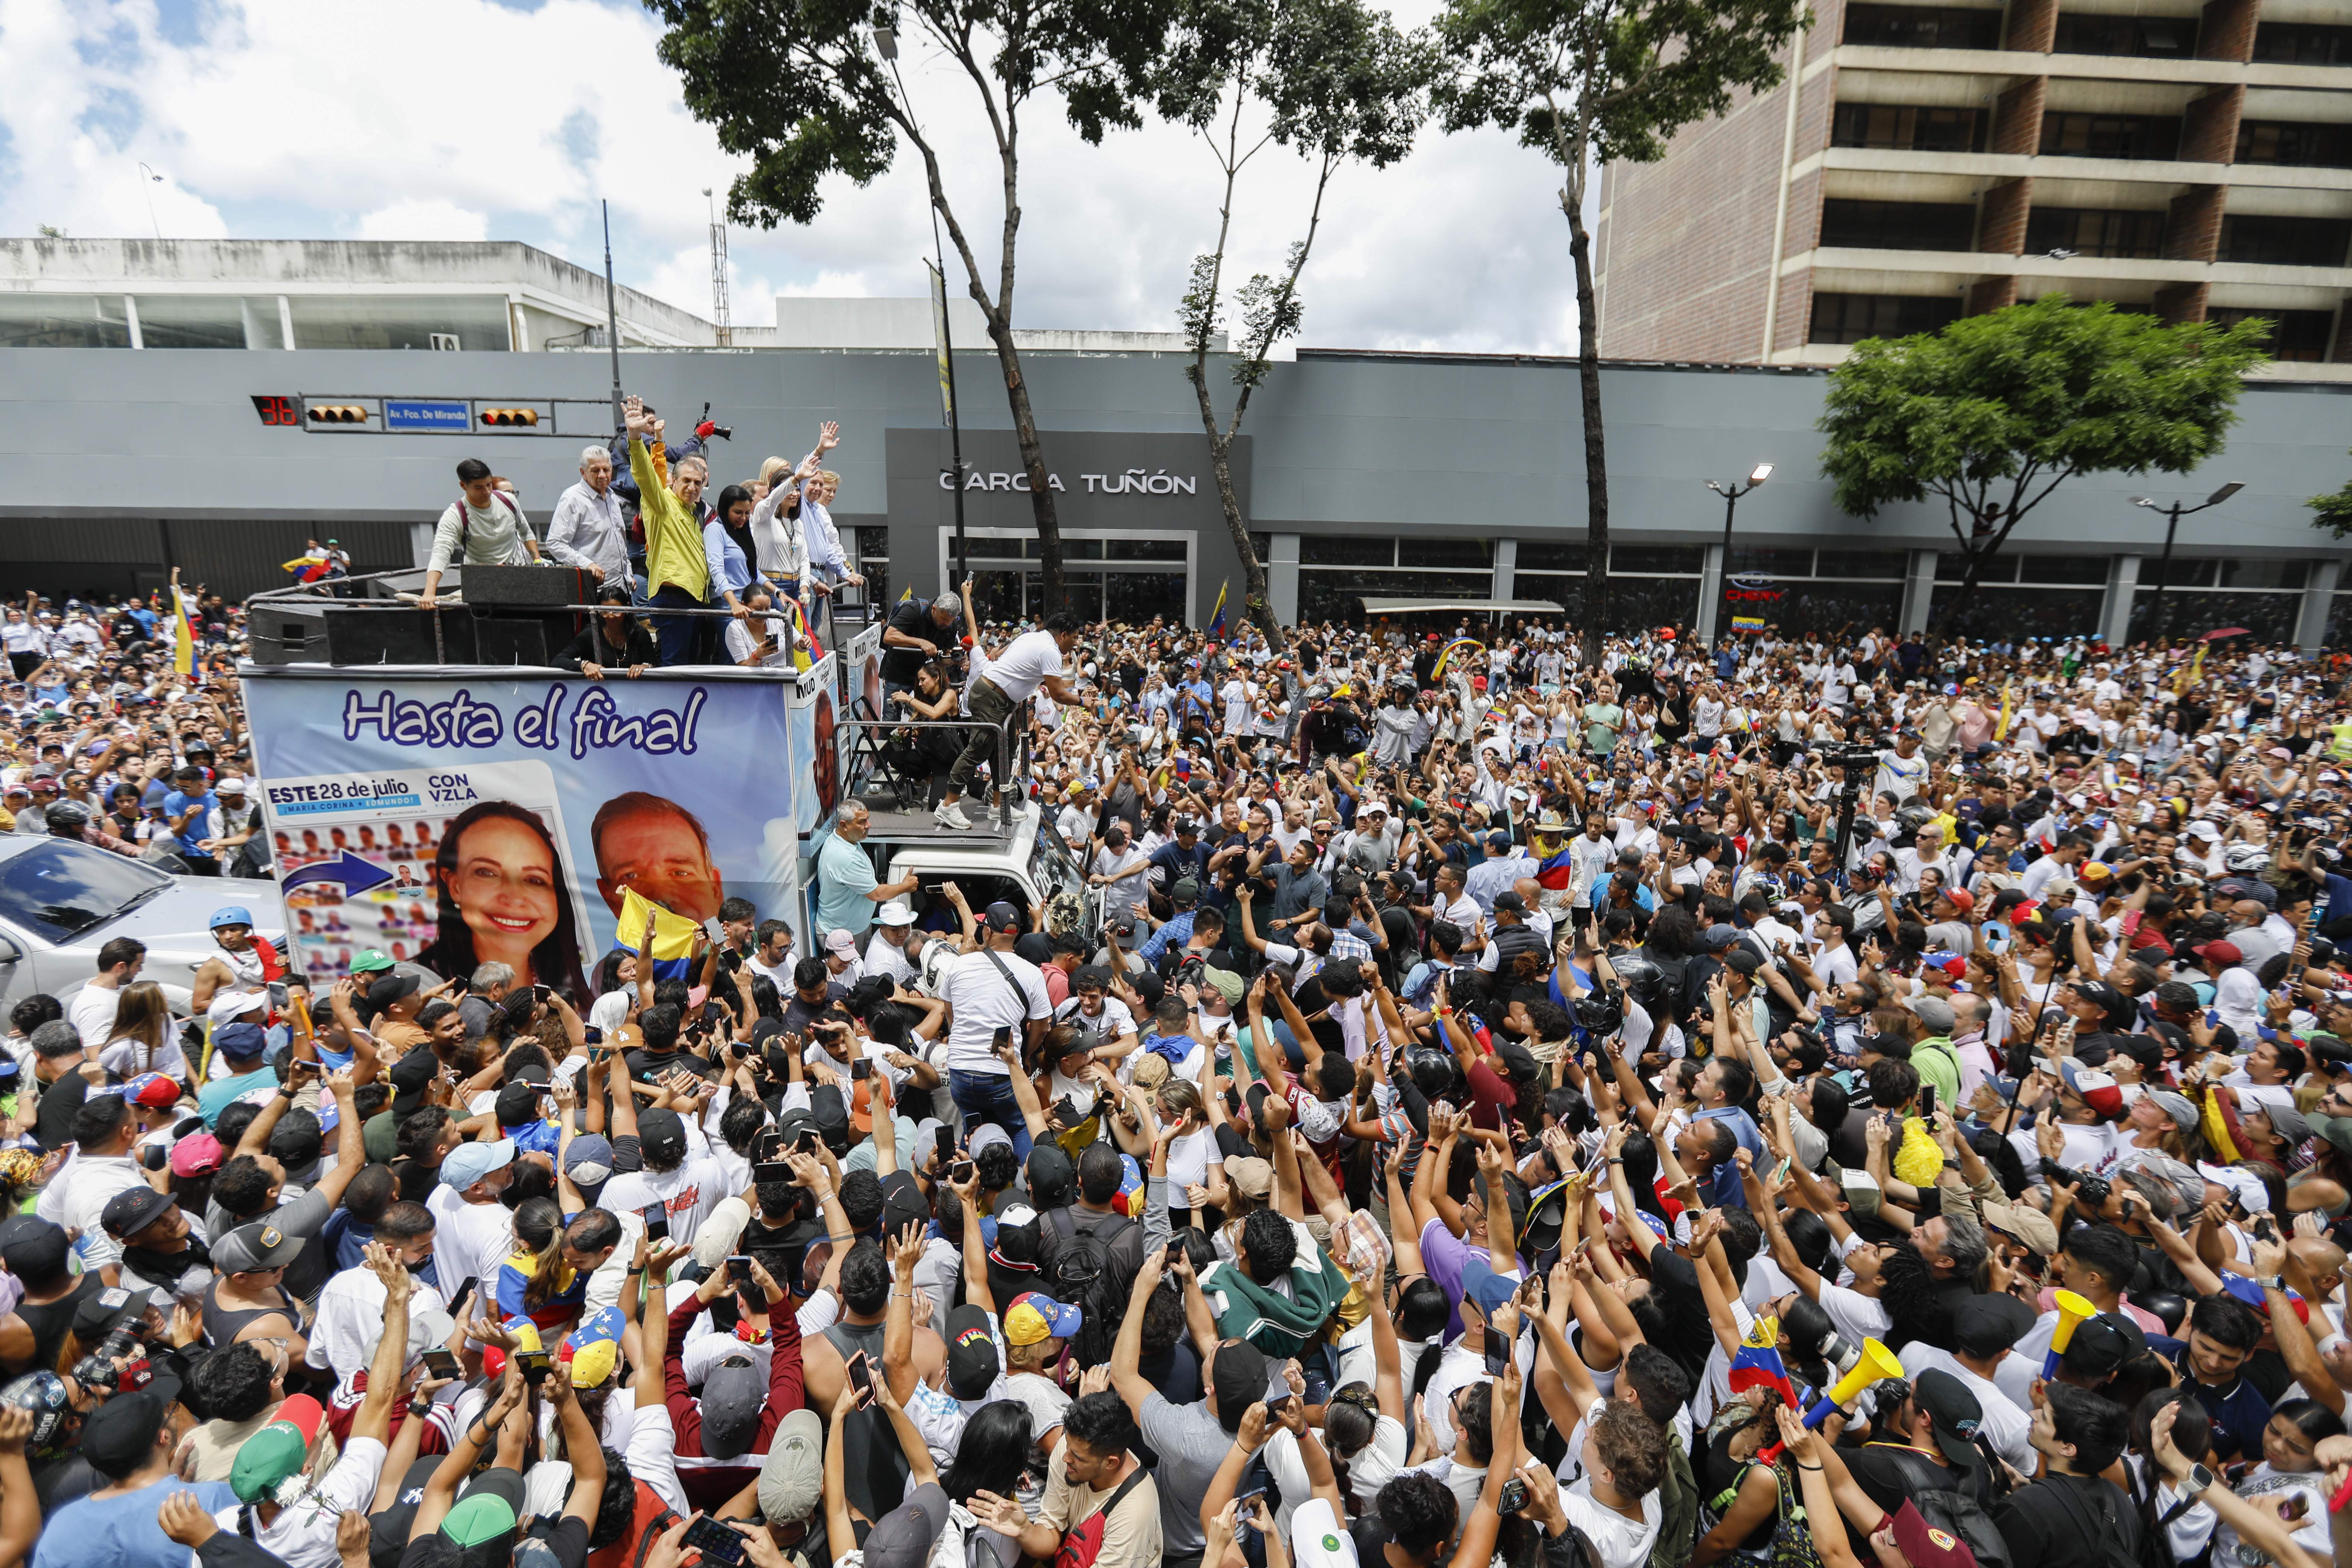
<point>2334,512</point>
<point>1608,78</point>
<point>1995,411</point>
<point>797,87</point>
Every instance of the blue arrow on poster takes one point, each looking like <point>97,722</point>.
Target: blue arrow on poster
<point>356,874</point>
<point>426,414</point>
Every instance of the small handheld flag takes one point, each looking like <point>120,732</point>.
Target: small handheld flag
<point>1217,617</point>
<point>183,635</point>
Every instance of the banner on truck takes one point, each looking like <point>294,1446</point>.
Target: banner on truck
<point>461,820</point>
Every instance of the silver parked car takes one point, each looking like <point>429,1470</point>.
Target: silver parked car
<point>61,902</point>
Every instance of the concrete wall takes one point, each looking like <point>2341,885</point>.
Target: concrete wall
<point>1342,443</point>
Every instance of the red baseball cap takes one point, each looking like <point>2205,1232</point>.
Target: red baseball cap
<point>2222,953</point>
<point>1962,899</point>
<point>1926,1546</point>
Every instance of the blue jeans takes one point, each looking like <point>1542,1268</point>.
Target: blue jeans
<point>988,1097</point>
<point>676,634</point>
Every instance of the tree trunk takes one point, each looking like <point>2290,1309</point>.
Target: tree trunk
<point>1948,616</point>
<point>1596,457</point>
<point>1033,460</point>
<point>1253,589</point>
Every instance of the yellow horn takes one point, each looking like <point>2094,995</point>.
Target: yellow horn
<point>1877,1364</point>
<point>2072,1310</point>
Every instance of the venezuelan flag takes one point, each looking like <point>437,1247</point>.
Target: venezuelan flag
<point>674,935</point>
<point>1556,870</point>
<point>1217,617</point>
<point>183,635</point>
<point>805,649</point>
<point>2008,711</point>
<point>1758,1364</point>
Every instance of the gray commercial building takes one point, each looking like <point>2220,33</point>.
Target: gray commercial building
<point>1362,474</point>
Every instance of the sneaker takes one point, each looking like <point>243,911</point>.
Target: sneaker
<point>947,814</point>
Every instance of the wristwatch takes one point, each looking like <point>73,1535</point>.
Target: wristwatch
<point>2274,1282</point>
<point>2199,1477</point>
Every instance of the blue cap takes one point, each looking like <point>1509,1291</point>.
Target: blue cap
<point>241,1041</point>
<point>231,915</point>
<point>469,1162</point>
<point>1482,1285</point>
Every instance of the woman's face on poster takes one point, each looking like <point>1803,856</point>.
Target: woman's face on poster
<point>504,886</point>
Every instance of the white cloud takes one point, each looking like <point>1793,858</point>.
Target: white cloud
<point>423,220</point>
<point>463,118</point>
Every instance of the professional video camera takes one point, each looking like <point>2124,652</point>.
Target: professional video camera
<point>119,1363</point>
<point>705,429</point>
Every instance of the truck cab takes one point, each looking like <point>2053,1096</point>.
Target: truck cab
<point>1024,863</point>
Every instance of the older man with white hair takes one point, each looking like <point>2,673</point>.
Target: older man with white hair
<point>587,530</point>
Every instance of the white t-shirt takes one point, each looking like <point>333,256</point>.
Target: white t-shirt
<point>469,1240</point>
<point>1621,1542</point>
<point>1025,664</point>
<point>983,1003</point>
<point>304,1535</point>
<point>687,1194</point>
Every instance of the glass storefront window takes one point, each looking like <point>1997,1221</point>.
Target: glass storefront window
<point>1473,555</point>
<point>1554,555</point>
<point>2265,573</point>
<point>1895,564</point>
<point>2006,613</point>
<point>2270,617</point>
<point>1326,596</point>
<point>1657,558</point>
<point>1342,549</point>
<point>1802,609</point>
<point>1759,561</point>
<point>208,321</point>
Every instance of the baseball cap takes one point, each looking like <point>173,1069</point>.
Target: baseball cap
<point>592,1350</point>
<point>1924,1545</point>
<point>1954,1413</point>
<point>132,1210</point>
<point>469,1162</point>
<point>2284,1120</point>
<point>731,1397</point>
<point>1238,1374</point>
<point>1482,1285</point>
<point>253,1248</point>
<point>2103,1343</point>
<point>391,988</point>
<point>1250,1176</point>
<point>152,1089</point>
<point>1934,1012</point>
<point>240,1041</point>
<point>841,942</point>
<point>2177,1106</point>
<point>197,1155</point>
<point>1035,1317</point>
<point>907,1535</point>
<point>791,1477</point>
<point>1987,1325</point>
<point>120,1434</point>
<point>480,1518</point>
<point>662,1132</point>
<point>972,1361</point>
<point>2222,953</point>
<point>1962,899</point>
<point>1001,916</point>
<point>2097,1089</point>
<point>517,1105</point>
<point>588,1160</point>
<point>370,960</point>
<point>274,1455</point>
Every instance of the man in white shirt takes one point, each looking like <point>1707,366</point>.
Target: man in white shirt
<point>1030,662</point>
<point>1985,1328</point>
<point>679,1174</point>
<point>893,950</point>
<point>473,1232</point>
<point>91,1011</point>
<point>993,995</point>
<point>483,527</point>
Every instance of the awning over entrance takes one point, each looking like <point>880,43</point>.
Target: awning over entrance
<point>1473,606</point>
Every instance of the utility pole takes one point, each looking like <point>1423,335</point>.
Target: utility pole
<point>613,321</point>
<point>2172,516</point>
<point>721,317</point>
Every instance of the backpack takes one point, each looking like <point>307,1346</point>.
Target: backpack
<point>1954,1513</point>
<point>466,520</point>
<point>1083,1275</point>
<point>1677,1508</point>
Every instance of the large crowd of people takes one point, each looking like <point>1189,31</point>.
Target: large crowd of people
<point>1837,1099</point>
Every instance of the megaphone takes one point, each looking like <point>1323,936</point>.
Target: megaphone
<point>1877,1362</point>
<point>2072,1310</point>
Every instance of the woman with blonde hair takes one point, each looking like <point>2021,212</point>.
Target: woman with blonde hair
<point>143,1038</point>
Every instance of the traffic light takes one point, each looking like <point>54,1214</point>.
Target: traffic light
<point>511,417</point>
<point>338,414</point>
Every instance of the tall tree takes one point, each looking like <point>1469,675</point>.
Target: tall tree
<point>809,88</point>
<point>1337,82</point>
<point>1590,81</point>
<point>1995,412</point>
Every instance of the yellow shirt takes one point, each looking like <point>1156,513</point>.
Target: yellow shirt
<point>673,539</point>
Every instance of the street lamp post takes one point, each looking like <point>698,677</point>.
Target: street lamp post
<point>2172,516</point>
<point>1731,494</point>
<point>149,177</point>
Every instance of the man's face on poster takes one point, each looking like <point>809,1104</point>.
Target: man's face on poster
<point>662,856</point>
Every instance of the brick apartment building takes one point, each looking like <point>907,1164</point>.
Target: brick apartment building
<point>1923,161</point>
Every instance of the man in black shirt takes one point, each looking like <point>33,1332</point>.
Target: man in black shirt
<point>2070,1514</point>
<point>911,636</point>
<point>57,1068</point>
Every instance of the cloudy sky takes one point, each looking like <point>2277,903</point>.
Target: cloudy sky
<point>509,119</point>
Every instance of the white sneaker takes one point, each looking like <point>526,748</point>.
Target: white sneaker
<point>947,814</point>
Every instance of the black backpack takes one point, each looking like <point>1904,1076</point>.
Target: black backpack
<point>1083,1277</point>
<point>1953,1513</point>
